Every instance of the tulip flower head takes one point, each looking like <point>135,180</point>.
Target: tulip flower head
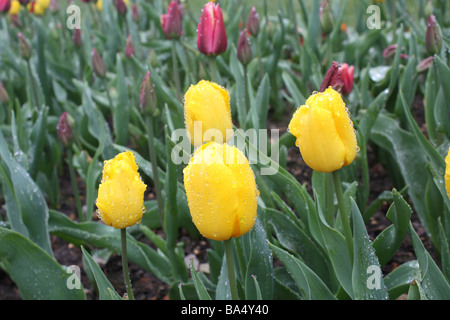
<point>5,5</point>
<point>332,78</point>
<point>172,21</point>
<point>64,130</point>
<point>433,38</point>
<point>120,199</point>
<point>211,37</point>
<point>253,22</point>
<point>207,113</point>
<point>244,48</point>
<point>129,47</point>
<point>15,8</point>
<point>347,78</point>
<point>221,191</point>
<point>447,173</point>
<point>324,131</point>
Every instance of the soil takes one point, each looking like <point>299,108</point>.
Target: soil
<point>148,287</point>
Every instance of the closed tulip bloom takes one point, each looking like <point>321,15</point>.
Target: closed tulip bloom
<point>253,22</point>
<point>120,199</point>
<point>207,104</point>
<point>221,191</point>
<point>99,5</point>
<point>211,37</point>
<point>244,48</point>
<point>447,173</point>
<point>172,21</point>
<point>433,38</point>
<point>347,77</point>
<point>98,64</point>
<point>324,131</point>
<point>5,5</point>
<point>15,8</point>
<point>64,130</point>
<point>332,78</point>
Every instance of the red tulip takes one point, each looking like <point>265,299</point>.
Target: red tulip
<point>347,77</point>
<point>171,22</point>
<point>211,38</point>
<point>332,78</point>
<point>253,22</point>
<point>64,130</point>
<point>244,48</point>
<point>5,5</point>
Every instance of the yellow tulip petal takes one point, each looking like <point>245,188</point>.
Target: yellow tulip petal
<point>120,199</point>
<point>447,173</point>
<point>221,191</point>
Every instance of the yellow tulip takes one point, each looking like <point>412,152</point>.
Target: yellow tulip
<point>447,173</point>
<point>324,132</point>
<point>99,5</point>
<point>120,199</point>
<point>207,106</point>
<point>44,3</point>
<point>36,7</point>
<point>221,191</point>
<point>15,8</point>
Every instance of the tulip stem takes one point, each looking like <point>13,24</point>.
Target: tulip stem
<point>213,66</point>
<point>152,151</point>
<point>126,275</point>
<point>230,267</point>
<point>345,219</point>
<point>33,85</point>
<point>176,74</point>
<point>73,179</point>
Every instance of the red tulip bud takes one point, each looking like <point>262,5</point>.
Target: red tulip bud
<point>121,7</point>
<point>5,5</point>
<point>24,47</point>
<point>135,12</point>
<point>147,97</point>
<point>171,22</point>
<point>326,17</point>
<point>332,78</point>
<point>425,64</point>
<point>98,64</point>
<point>433,38</point>
<point>211,38</point>
<point>76,38</point>
<point>244,48</point>
<point>4,97</point>
<point>129,48</point>
<point>347,77</point>
<point>64,130</point>
<point>253,22</point>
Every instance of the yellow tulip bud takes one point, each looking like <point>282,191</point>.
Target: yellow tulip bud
<point>99,5</point>
<point>324,132</point>
<point>221,191</point>
<point>206,107</point>
<point>120,199</point>
<point>447,173</point>
<point>15,8</point>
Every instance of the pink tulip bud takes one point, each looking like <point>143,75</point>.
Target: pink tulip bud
<point>333,78</point>
<point>129,48</point>
<point>425,64</point>
<point>211,37</point>
<point>347,77</point>
<point>253,22</point>
<point>5,5</point>
<point>64,130</point>
<point>244,48</point>
<point>171,22</point>
<point>433,38</point>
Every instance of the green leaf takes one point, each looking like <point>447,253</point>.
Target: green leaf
<point>120,110</point>
<point>390,239</point>
<point>432,281</point>
<point>103,236</point>
<point>308,282</point>
<point>367,277</point>
<point>105,288</point>
<point>37,275</point>
<point>199,287</point>
<point>398,281</point>
<point>29,199</point>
